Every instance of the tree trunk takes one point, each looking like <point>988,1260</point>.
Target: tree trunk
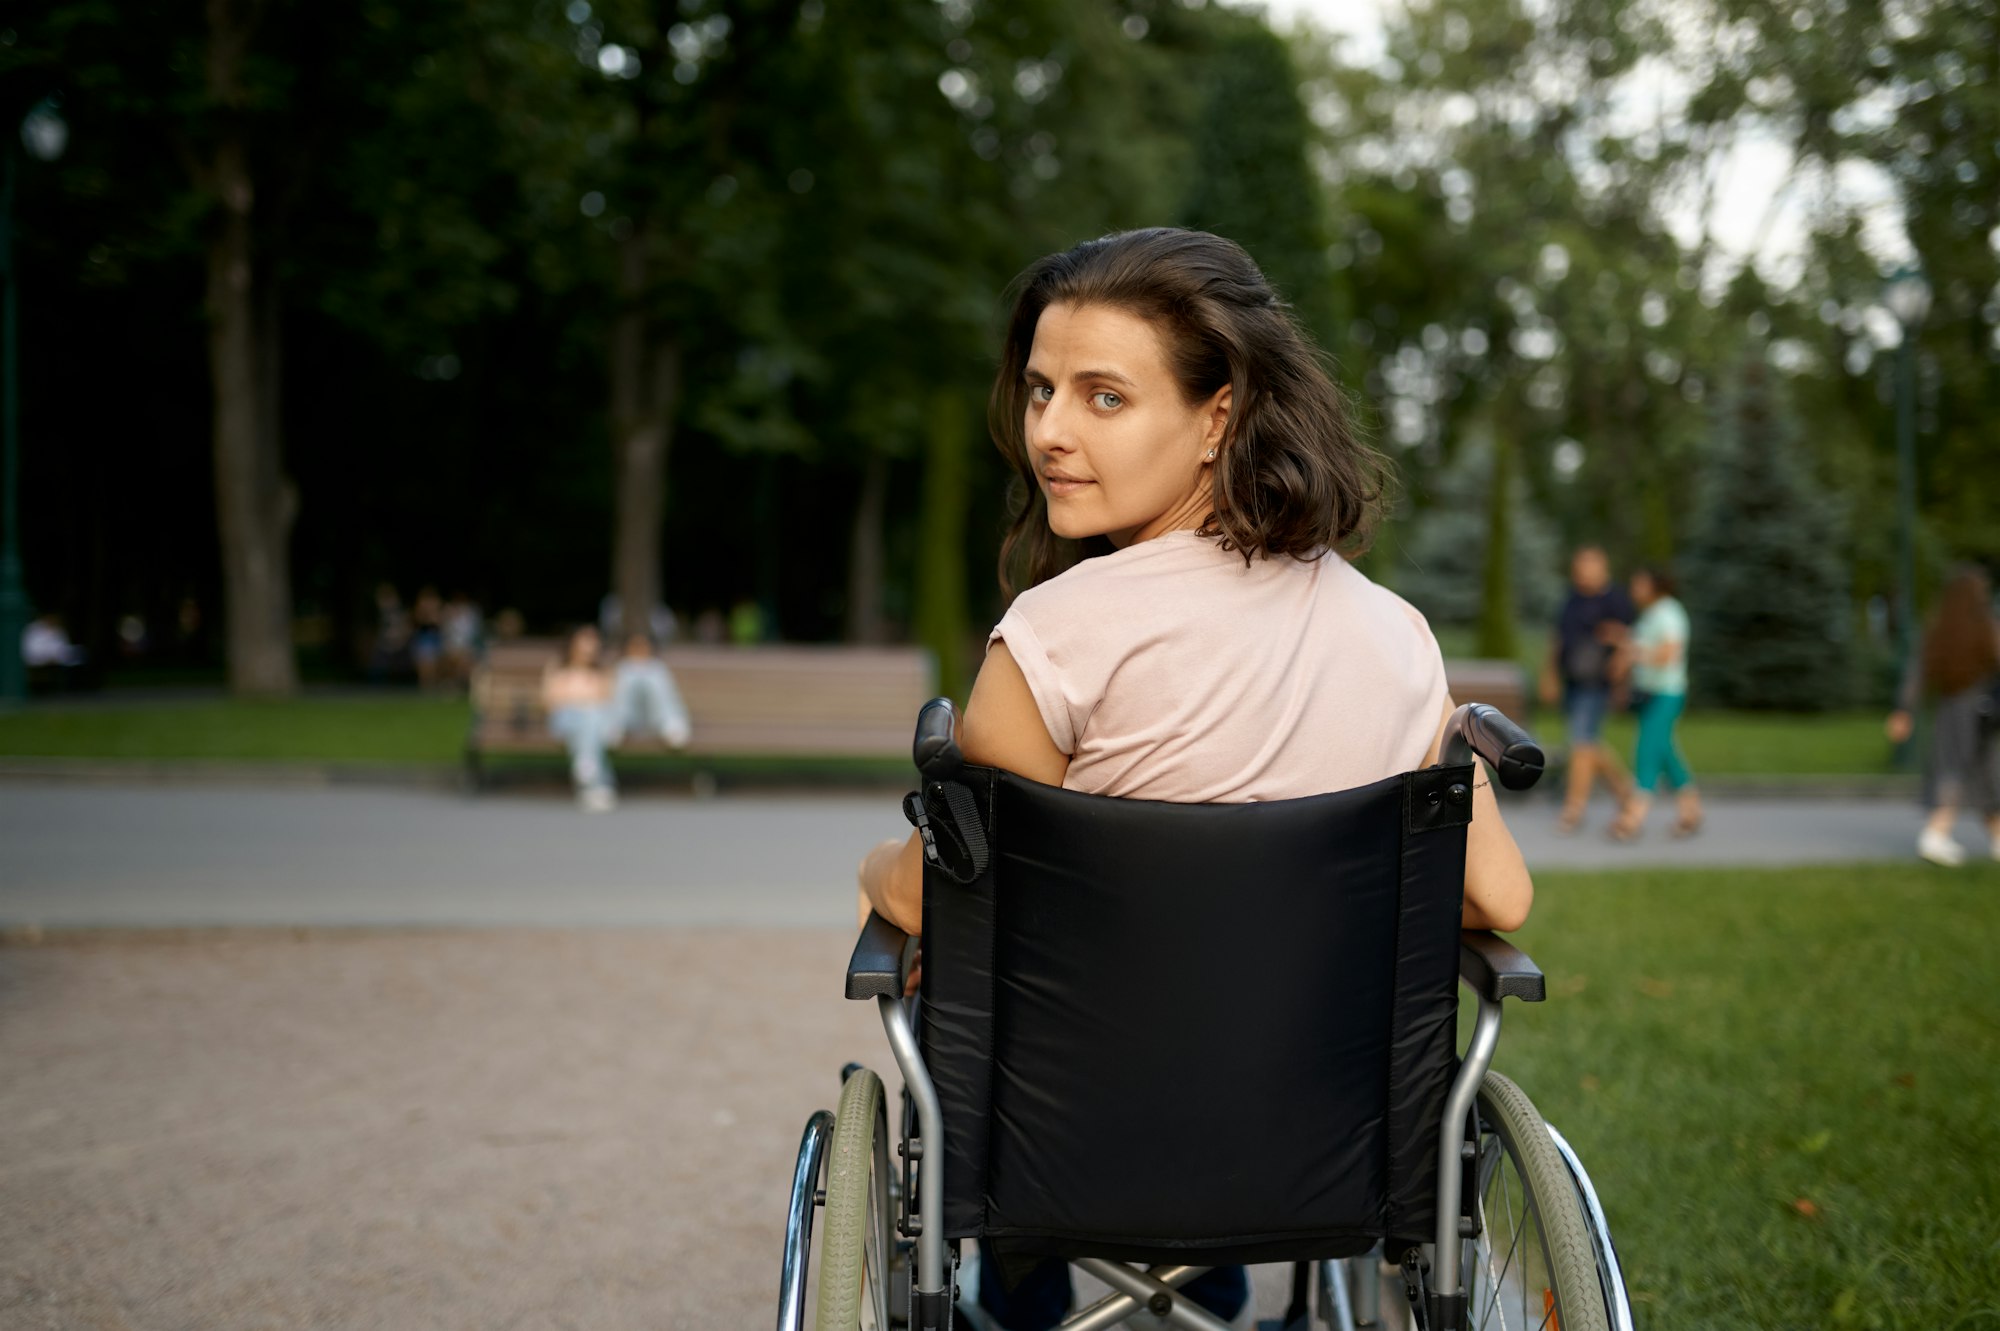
<point>1496,601</point>
<point>942,615</point>
<point>254,502</point>
<point>645,394</point>
<point>864,563</point>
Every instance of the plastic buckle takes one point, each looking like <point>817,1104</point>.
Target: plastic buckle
<point>913,812</point>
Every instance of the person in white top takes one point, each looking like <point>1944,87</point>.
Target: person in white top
<point>1191,629</point>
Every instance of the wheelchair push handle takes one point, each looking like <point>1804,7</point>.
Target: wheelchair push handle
<point>1479,728</point>
<point>936,748</point>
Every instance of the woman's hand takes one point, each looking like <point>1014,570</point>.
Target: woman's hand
<point>1899,726</point>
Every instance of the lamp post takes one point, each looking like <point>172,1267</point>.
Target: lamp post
<point>1908,297</point>
<point>44,134</point>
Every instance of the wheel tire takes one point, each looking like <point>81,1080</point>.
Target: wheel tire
<point>1557,1281</point>
<point>856,1218</point>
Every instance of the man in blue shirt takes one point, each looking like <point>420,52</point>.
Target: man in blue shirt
<point>1594,620</point>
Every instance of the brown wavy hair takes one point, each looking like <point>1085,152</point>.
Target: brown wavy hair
<point>1959,647</point>
<point>1291,477</point>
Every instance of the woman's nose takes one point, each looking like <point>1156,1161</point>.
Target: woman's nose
<point>1049,430</point>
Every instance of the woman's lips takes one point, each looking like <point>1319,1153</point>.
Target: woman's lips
<point>1060,485</point>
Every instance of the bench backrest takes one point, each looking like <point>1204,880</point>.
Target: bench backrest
<point>790,700</point>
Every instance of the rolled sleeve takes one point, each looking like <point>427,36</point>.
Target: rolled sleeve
<point>1044,680</point>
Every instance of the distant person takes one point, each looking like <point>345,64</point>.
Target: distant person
<point>644,696</point>
<point>46,645</point>
<point>659,625</point>
<point>392,634</point>
<point>1656,655</point>
<point>1956,664</point>
<point>577,695</point>
<point>463,632</point>
<point>1591,625</point>
<point>427,636</point>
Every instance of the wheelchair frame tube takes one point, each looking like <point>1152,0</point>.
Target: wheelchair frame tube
<point>1143,1286</point>
<point>1116,1306</point>
<point>799,1220</point>
<point>1447,1280</point>
<point>930,1175</point>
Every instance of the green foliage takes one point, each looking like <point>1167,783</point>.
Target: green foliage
<point>1767,580</point>
<point>1251,179</point>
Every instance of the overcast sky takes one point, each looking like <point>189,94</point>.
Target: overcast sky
<point>1747,172</point>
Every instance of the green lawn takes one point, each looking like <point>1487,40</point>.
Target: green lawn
<point>404,728</point>
<point>387,729</point>
<point>1786,1085</point>
<point>1755,743</point>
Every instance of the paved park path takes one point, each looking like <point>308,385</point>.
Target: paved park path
<point>465,1124</point>
<point>146,856</point>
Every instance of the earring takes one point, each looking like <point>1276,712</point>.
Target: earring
<point>1211,455</point>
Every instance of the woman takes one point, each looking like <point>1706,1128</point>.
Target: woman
<point>576,693</point>
<point>1957,664</point>
<point>1190,629</point>
<point>1656,668</point>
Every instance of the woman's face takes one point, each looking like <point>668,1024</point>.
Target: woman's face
<point>583,647</point>
<point>1643,591</point>
<point>1117,449</point>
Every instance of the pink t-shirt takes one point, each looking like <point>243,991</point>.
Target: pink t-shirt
<point>1169,670</point>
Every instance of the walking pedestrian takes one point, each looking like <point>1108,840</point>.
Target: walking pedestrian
<point>1592,623</point>
<point>1656,657</point>
<point>1956,665</point>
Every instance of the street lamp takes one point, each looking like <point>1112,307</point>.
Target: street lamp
<point>1908,297</point>
<point>44,134</point>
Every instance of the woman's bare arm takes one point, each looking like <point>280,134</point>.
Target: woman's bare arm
<point>1498,890</point>
<point>1002,728</point>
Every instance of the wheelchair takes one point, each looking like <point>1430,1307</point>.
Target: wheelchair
<point>1079,951</point>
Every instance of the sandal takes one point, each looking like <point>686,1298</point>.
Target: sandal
<point>1568,823</point>
<point>1686,826</point>
<point>1627,825</point>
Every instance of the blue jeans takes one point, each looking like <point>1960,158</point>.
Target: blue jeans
<point>585,731</point>
<point>1584,706</point>
<point>643,696</point>
<point>1042,1298</point>
<point>1658,753</point>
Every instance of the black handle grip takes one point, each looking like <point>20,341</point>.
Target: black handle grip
<point>1513,754</point>
<point>936,748</point>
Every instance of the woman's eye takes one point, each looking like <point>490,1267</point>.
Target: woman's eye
<point>1040,393</point>
<point>1107,401</point>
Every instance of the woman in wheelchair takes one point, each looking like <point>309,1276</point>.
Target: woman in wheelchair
<point>1169,419</point>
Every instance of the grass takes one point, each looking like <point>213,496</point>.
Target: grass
<point>1784,1084</point>
<point>390,729</point>
<point>1755,743</point>
<point>405,729</point>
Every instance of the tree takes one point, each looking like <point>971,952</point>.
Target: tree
<point>1767,583</point>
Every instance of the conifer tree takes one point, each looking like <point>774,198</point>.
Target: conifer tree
<point>1766,574</point>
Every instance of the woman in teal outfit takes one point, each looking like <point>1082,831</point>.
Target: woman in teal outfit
<point>1656,654</point>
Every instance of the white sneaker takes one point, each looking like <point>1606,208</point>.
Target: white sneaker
<point>597,799</point>
<point>1940,848</point>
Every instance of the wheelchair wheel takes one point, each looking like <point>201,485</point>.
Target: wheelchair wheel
<point>1533,1263</point>
<point>857,1250</point>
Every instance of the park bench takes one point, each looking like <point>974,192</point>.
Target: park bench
<point>1497,683</point>
<point>780,702</point>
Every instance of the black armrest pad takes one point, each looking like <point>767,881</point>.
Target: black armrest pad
<point>1496,969</point>
<point>880,963</point>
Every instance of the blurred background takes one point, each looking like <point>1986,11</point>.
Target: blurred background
<point>353,352</point>
<point>514,304</point>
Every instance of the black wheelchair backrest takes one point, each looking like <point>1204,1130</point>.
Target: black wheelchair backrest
<point>1194,1033</point>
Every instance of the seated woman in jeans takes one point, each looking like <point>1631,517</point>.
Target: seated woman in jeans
<point>576,693</point>
<point>1189,627</point>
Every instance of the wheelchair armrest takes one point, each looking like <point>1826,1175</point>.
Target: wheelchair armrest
<point>1495,969</point>
<point>881,962</point>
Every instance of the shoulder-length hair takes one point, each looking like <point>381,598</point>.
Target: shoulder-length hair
<point>1290,477</point>
<point>1959,648</point>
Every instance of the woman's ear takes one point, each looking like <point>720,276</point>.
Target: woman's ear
<point>1218,416</point>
